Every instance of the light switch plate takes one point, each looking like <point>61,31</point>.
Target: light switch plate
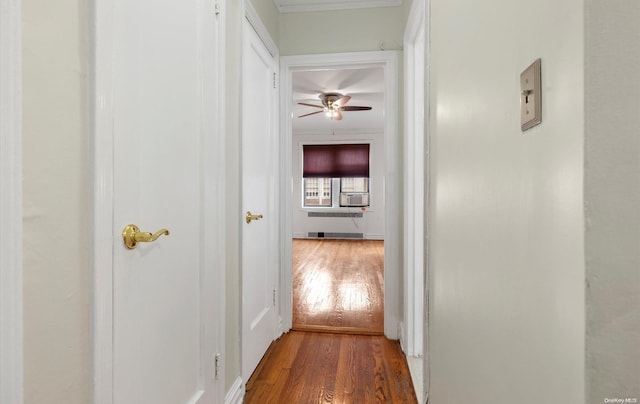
<point>530,96</point>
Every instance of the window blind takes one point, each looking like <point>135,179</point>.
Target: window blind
<point>335,161</point>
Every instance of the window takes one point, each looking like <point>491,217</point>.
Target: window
<point>354,185</point>
<point>317,192</point>
<point>323,162</point>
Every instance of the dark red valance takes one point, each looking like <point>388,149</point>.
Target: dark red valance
<point>335,161</point>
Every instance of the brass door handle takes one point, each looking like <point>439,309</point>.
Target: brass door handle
<point>132,236</point>
<point>249,217</point>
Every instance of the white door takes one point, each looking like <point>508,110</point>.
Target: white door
<point>259,193</point>
<point>164,314</point>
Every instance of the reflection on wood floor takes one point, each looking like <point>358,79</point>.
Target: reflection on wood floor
<point>338,286</point>
<point>309,367</point>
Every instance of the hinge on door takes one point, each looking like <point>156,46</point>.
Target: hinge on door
<point>216,367</point>
<point>274,298</point>
<point>216,8</point>
<point>274,80</point>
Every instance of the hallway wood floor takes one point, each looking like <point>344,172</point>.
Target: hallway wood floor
<point>338,286</point>
<point>310,367</point>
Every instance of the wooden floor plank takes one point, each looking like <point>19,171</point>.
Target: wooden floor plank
<point>338,286</point>
<point>344,382</point>
<point>383,388</point>
<point>306,367</point>
<point>328,366</point>
<point>294,390</point>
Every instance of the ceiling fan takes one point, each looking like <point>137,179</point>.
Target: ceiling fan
<point>333,105</point>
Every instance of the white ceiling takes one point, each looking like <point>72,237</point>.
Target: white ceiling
<point>364,85</point>
<point>294,6</point>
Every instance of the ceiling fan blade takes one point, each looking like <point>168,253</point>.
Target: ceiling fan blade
<point>310,105</point>
<point>355,108</point>
<point>337,116</point>
<point>345,99</point>
<point>312,113</point>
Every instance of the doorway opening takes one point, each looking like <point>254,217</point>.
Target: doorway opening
<point>338,200</point>
<point>375,219</point>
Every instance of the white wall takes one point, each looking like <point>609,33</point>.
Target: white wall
<point>507,255</point>
<point>371,224</point>
<point>612,171</point>
<point>269,15</point>
<point>364,29</point>
<point>57,226</point>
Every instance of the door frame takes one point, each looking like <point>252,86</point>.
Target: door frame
<point>415,120</point>
<point>104,235</point>
<point>417,176</point>
<point>11,304</point>
<point>388,60</point>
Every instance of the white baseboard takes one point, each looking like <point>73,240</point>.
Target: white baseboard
<point>415,368</point>
<point>401,337</point>
<point>235,393</point>
<point>366,236</point>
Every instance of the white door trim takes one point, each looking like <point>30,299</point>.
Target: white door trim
<point>103,231</point>
<point>388,60</point>
<point>11,329</point>
<point>414,191</point>
<point>426,364</point>
<point>102,148</point>
<point>417,192</point>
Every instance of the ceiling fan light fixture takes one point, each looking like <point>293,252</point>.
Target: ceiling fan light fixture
<point>333,105</point>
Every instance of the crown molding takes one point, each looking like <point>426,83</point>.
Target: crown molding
<point>301,6</point>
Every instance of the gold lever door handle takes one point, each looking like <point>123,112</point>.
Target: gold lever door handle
<point>249,217</point>
<point>132,236</point>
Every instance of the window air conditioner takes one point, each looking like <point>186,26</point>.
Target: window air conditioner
<point>354,199</point>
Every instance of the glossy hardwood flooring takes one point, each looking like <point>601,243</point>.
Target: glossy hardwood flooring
<point>338,286</point>
<point>310,367</point>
